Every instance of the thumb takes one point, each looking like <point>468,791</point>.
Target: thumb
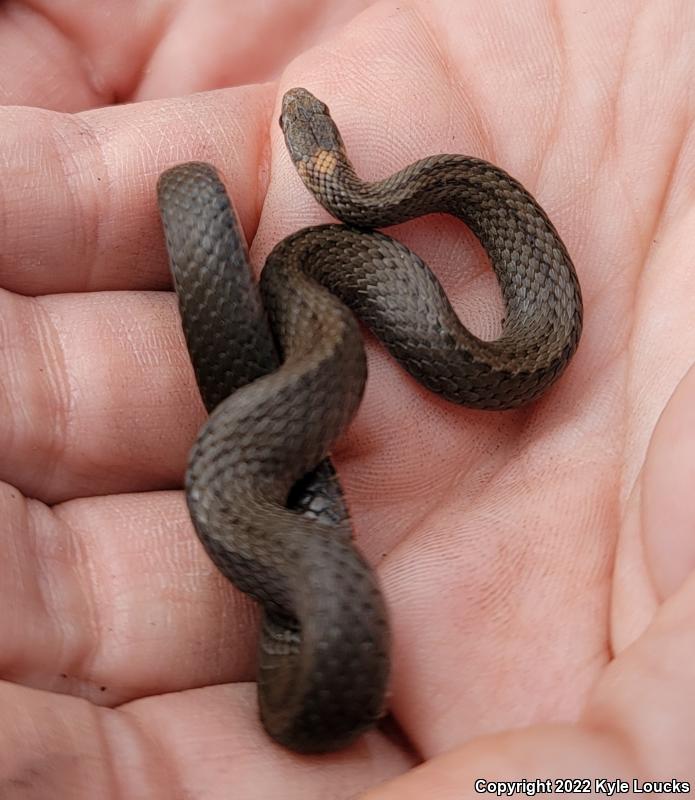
<point>668,492</point>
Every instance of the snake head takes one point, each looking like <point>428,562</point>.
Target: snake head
<point>308,127</point>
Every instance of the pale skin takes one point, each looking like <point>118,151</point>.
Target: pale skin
<point>537,563</point>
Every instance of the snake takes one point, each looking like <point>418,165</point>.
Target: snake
<point>281,369</point>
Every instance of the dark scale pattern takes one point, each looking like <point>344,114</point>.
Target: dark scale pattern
<point>224,322</point>
<point>277,534</point>
<point>228,338</point>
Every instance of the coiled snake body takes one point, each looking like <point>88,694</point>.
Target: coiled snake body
<point>282,379</point>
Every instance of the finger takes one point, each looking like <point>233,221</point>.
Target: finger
<point>655,551</point>
<point>113,598</point>
<point>205,743</point>
<point>201,49</point>
<point>99,395</point>
<point>78,192</point>
<point>668,502</point>
<point>70,55</point>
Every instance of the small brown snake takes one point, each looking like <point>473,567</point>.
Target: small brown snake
<point>283,377</point>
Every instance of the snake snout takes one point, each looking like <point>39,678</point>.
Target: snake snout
<point>307,125</point>
<point>301,102</point>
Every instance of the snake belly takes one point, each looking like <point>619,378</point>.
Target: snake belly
<point>283,373</point>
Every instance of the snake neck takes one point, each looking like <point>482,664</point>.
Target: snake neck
<point>454,184</point>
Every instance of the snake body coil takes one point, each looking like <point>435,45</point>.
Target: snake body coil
<point>264,500</point>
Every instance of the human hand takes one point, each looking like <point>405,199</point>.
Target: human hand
<point>534,561</point>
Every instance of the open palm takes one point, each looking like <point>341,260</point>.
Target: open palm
<point>535,562</point>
